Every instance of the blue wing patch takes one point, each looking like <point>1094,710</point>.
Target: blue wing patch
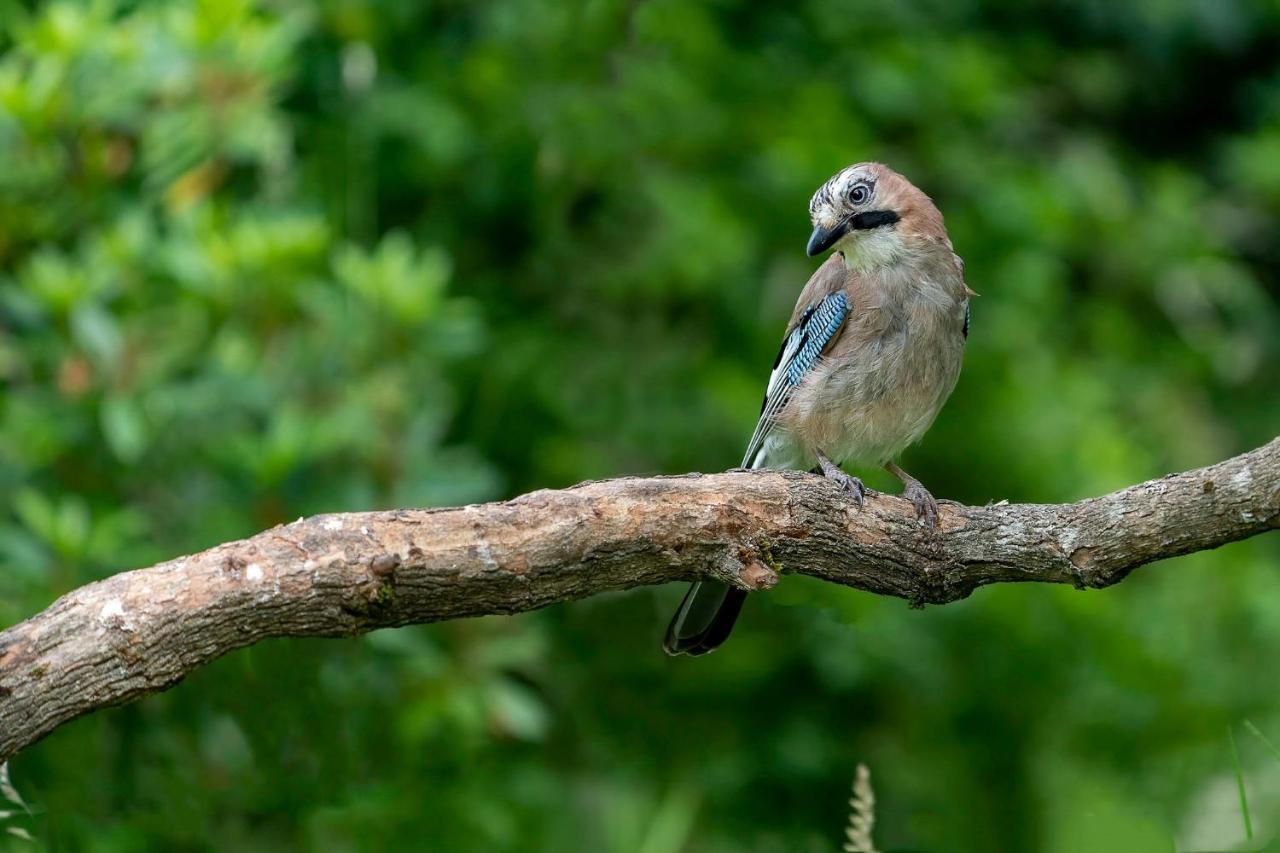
<point>801,350</point>
<point>817,329</point>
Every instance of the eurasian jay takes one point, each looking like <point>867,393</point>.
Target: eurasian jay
<point>872,351</point>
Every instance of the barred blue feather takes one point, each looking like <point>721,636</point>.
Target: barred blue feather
<point>815,329</point>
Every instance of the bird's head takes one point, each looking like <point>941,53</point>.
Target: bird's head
<point>870,214</point>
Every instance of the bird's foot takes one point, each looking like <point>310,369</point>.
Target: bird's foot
<point>845,481</point>
<point>923,501</point>
<point>926,506</point>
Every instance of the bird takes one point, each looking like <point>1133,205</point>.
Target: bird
<point>871,353</point>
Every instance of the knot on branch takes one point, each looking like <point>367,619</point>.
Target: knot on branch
<point>757,576</point>
<point>374,593</point>
<point>382,570</point>
<point>750,568</point>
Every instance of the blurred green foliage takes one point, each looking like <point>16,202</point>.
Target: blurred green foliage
<point>261,260</point>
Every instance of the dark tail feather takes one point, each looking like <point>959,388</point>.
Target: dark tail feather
<point>705,618</point>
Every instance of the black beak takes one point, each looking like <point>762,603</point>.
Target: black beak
<point>824,238</point>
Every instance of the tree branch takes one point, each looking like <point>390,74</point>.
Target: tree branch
<point>337,575</point>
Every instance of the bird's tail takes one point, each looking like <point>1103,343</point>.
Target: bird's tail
<point>705,618</point>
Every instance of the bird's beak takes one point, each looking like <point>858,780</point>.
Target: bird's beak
<point>824,238</point>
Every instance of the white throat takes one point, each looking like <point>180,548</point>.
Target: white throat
<point>865,251</point>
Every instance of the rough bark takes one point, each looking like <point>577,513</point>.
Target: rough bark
<point>336,575</point>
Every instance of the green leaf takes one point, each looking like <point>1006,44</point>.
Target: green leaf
<point>124,427</point>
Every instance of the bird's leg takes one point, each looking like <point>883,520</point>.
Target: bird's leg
<point>926,506</point>
<point>848,482</point>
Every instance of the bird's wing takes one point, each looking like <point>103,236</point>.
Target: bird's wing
<point>815,328</point>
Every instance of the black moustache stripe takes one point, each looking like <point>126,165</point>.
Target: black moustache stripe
<point>872,219</point>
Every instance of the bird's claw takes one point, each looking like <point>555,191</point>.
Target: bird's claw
<point>926,506</point>
<point>846,482</point>
<point>850,484</point>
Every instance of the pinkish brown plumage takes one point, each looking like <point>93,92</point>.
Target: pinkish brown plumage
<point>885,374</point>
<point>872,351</point>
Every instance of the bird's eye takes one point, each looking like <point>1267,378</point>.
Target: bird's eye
<point>859,194</point>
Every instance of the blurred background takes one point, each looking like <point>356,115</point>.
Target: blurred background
<point>263,260</point>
